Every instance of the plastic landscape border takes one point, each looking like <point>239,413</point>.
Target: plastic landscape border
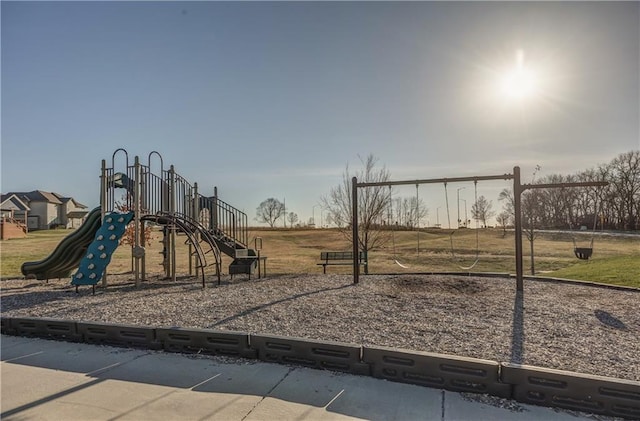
<point>527,384</point>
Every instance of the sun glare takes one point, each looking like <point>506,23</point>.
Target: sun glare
<point>519,82</point>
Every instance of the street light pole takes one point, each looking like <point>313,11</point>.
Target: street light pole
<point>465,213</point>
<point>458,194</point>
<point>438,216</point>
<point>313,214</point>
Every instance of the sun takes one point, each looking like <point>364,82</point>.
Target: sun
<point>519,82</point>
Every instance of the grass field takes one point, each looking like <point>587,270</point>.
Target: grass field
<point>616,260</point>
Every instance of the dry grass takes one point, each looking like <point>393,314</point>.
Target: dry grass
<point>297,251</point>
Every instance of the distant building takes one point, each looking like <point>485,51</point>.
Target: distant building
<point>72,212</point>
<point>14,213</point>
<point>43,210</point>
<point>13,208</point>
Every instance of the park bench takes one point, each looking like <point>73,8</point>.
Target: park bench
<point>339,258</point>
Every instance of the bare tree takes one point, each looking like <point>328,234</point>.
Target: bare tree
<point>508,203</point>
<point>293,218</point>
<point>269,211</point>
<point>482,210</point>
<point>626,183</point>
<point>409,211</point>
<point>503,220</point>
<point>532,210</point>
<point>372,204</point>
<point>530,219</point>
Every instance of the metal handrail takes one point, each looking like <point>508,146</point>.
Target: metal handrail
<point>225,220</point>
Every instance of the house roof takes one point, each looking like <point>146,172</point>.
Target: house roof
<point>37,196</point>
<point>10,201</point>
<point>61,197</point>
<point>43,196</point>
<point>77,214</point>
<point>78,204</point>
<point>66,199</point>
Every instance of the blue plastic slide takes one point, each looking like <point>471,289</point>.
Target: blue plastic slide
<point>101,249</point>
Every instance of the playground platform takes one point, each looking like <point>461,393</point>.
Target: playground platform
<point>50,380</point>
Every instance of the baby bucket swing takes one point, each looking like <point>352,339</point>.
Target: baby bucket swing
<point>453,253</point>
<point>584,253</point>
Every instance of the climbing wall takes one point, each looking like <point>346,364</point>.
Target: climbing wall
<point>101,249</point>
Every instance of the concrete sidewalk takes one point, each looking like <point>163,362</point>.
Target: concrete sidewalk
<point>49,380</point>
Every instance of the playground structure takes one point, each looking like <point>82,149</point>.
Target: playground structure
<point>518,189</point>
<point>164,198</point>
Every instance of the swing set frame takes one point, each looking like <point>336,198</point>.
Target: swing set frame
<point>518,189</point>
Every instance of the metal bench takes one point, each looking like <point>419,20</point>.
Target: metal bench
<point>339,258</point>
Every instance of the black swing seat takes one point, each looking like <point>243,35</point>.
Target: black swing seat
<point>583,253</point>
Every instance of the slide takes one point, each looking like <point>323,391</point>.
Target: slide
<point>68,253</point>
<point>99,252</point>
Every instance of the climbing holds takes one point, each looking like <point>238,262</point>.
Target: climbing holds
<point>91,270</point>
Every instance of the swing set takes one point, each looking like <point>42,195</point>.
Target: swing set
<point>455,257</point>
<point>518,189</point>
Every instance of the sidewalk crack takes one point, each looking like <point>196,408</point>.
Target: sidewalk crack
<point>100,371</point>
<point>268,393</point>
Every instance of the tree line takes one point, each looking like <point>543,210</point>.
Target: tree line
<point>613,207</point>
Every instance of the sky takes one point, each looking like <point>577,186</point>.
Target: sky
<point>275,99</point>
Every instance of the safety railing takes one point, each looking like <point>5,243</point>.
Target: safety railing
<point>154,192</point>
<point>224,220</point>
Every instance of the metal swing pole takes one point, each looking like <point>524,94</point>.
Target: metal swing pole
<point>136,215</point>
<point>417,222</point>
<point>104,200</point>
<point>391,224</point>
<point>354,228</point>
<point>517,207</point>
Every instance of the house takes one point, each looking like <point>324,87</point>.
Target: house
<point>13,208</point>
<point>49,210</point>
<point>72,212</point>
<point>14,214</point>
